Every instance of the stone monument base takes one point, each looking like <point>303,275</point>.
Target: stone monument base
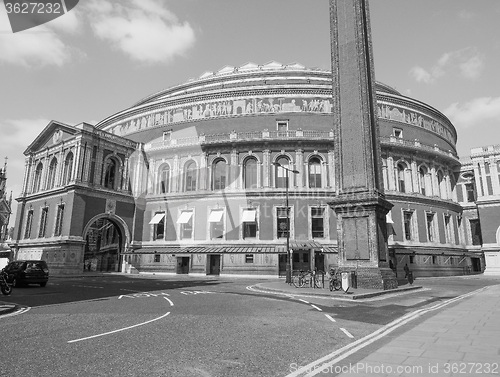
<point>376,278</point>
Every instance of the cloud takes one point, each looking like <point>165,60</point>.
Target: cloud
<point>467,63</point>
<point>466,14</point>
<point>478,112</point>
<point>142,29</point>
<point>34,47</point>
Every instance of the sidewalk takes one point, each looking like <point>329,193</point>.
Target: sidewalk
<point>461,340</point>
<point>352,294</point>
<point>457,337</point>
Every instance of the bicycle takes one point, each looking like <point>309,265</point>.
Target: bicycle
<point>335,282</point>
<point>306,278</point>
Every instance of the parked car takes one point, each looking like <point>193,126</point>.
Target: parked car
<point>28,272</point>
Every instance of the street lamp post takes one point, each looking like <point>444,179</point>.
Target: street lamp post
<point>289,256</point>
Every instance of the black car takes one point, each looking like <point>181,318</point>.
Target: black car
<point>28,272</point>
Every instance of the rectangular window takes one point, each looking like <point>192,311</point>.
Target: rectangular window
<point>282,126</point>
<point>317,222</point>
<point>167,135</point>
<point>29,223</point>
<point>158,222</point>
<point>397,132</point>
<point>296,258</point>
<point>412,259</point>
<point>43,222</point>
<point>248,258</point>
<point>216,221</point>
<point>249,223</point>
<point>283,222</point>
<point>475,230</point>
<point>471,195</point>
<point>186,224</point>
<point>434,259</point>
<point>157,258</point>
<point>59,220</point>
<point>408,224</point>
<point>430,227</point>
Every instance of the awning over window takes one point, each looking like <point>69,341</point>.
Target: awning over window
<point>388,218</point>
<point>184,217</point>
<point>248,216</point>
<point>215,216</point>
<point>157,218</point>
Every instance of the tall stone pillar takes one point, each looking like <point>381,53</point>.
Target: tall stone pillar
<point>360,204</point>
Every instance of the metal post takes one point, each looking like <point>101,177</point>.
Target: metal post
<point>289,257</point>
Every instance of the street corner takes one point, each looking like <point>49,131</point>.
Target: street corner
<point>353,294</point>
<point>8,308</point>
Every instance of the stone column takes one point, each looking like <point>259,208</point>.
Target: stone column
<point>390,174</point>
<point>302,169</point>
<point>360,206</point>
<point>479,184</point>
<point>265,166</point>
<point>414,175</point>
<point>234,171</point>
<point>76,164</point>
<point>494,177</point>
<point>331,169</point>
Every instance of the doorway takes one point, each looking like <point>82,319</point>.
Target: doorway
<point>319,261</point>
<point>301,260</point>
<point>103,243</point>
<point>213,264</point>
<point>182,265</point>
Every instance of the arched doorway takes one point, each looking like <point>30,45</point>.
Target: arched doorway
<point>104,243</point>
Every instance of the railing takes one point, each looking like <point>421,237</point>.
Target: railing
<point>417,144</point>
<point>240,136</point>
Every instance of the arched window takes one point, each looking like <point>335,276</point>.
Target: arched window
<point>219,175</point>
<point>164,180</point>
<point>401,177</point>
<point>38,177</point>
<point>281,174</point>
<point>315,172</point>
<point>190,176</point>
<point>110,176</point>
<point>250,173</point>
<point>422,179</point>
<point>52,173</point>
<point>68,167</point>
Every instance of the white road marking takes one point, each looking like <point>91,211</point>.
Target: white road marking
<point>304,301</point>
<point>346,332</point>
<point>17,312</point>
<point>170,301</point>
<point>333,358</point>
<point>315,307</point>
<point>330,318</point>
<point>118,330</point>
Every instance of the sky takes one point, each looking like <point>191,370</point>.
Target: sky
<point>104,55</point>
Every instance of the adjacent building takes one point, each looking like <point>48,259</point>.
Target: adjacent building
<point>219,174</point>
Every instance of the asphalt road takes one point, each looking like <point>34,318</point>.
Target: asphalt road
<point>118,325</point>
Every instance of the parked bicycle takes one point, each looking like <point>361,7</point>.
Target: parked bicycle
<point>335,280</point>
<point>306,279</point>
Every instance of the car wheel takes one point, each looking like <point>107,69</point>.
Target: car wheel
<point>43,284</point>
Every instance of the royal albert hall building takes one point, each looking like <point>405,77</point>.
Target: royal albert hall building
<point>196,179</point>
